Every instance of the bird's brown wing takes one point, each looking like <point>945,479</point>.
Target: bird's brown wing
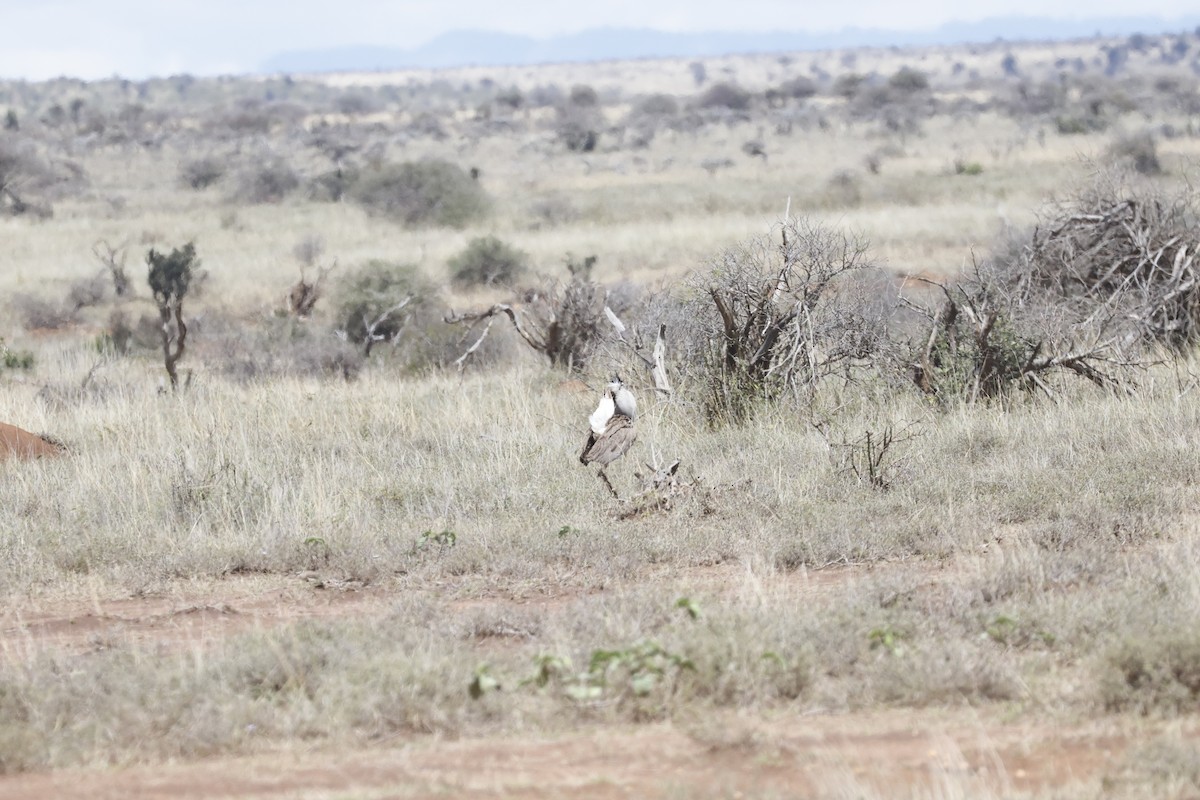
<point>616,440</point>
<point>587,446</point>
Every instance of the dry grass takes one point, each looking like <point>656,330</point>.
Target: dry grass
<point>1038,558</point>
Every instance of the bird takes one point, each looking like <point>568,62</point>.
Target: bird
<point>610,428</point>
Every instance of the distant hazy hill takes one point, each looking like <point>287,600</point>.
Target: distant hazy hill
<point>485,48</point>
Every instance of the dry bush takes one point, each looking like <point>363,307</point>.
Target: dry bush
<point>795,89</point>
<point>774,317</point>
<point>1118,252</point>
<point>1108,273</point>
<point>279,348</point>
<point>87,292</point>
<point>578,127</point>
<point>565,322</point>
<point>200,173</point>
<point>25,178</point>
<point>485,261</point>
<point>727,96</point>
<point>1139,151</point>
<point>1153,674</point>
<point>38,313</point>
<point>901,104</point>
<point>430,192</point>
<point>268,182</point>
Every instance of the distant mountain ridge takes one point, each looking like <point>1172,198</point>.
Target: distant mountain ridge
<point>489,48</point>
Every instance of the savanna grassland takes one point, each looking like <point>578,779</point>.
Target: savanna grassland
<point>929,322</point>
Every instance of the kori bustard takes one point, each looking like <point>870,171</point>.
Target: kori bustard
<point>610,428</point>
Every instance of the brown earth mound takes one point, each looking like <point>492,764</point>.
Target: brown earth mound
<point>17,443</point>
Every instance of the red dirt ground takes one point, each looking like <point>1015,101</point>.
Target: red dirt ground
<point>17,443</point>
<point>838,754</point>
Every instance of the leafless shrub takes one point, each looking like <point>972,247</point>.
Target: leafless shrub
<point>794,89</point>
<point>775,317</point>
<point>844,189</point>
<point>1153,674</point>
<point>552,211</point>
<point>69,394</point>
<point>1138,151</point>
<point>38,313</point>
<point>871,459</point>
<point>119,333</point>
<point>23,174</point>
<point>713,165</point>
<point>1108,273</point>
<point>578,127</point>
<point>202,172</point>
<point>755,149</point>
<point>283,347</point>
<point>899,105</point>
<point>113,259</point>
<point>86,292</point>
<point>562,321</point>
<point>1117,251</point>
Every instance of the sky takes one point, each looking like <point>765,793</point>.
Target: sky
<point>143,38</point>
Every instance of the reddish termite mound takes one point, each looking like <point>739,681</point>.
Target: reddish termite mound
<point>16,443</point>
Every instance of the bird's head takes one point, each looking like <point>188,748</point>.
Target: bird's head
<point>616,383</point>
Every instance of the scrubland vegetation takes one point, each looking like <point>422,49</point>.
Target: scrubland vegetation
<point>929,320</point>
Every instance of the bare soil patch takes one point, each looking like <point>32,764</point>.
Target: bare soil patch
<point>889,753</point>
<point>18,443</point>
<point>974,752</point>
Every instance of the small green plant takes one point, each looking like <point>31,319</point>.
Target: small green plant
<point>443,540</point>
<point>967,167</point>
<point>887,638</point>
<point>483,682</point>
<point>690,606</point>
<point>17,359</point>
<point>485,261</point>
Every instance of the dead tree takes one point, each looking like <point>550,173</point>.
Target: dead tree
<point>1117,251</point>
<point>974,350</point>
<point>303,295</point>
<point>562,322</point>
<point>113,259</point>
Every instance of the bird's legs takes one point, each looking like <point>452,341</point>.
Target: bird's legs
<point>608,483</point>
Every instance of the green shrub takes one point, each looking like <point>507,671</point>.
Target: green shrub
<point>487,260</point>
<point>726,95</point>
<point>380,300</point>
<point>907,80</point>
<point>658,105</point>
<point>430,192</point>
